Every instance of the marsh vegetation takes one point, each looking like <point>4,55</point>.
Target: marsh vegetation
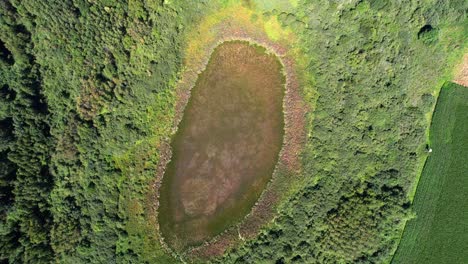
<point>226,146</point>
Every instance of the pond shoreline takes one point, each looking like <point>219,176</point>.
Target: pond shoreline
<point>288,169</point>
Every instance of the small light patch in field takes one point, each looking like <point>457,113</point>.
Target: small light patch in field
<point>273,28</point>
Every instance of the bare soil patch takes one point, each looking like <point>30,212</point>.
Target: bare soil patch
<point>461,76</point>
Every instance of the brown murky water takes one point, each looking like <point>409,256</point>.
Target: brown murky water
<point>226,147</point>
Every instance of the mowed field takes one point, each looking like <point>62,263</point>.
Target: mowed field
<point>439,233</point>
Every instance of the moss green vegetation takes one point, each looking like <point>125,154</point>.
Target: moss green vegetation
<point>438,233</point>
<point>88,97</point>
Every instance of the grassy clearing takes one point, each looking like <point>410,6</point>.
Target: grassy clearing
<point>439,234</point>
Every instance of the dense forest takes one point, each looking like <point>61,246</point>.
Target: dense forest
<point>83,86</point>
<point>87,97</point>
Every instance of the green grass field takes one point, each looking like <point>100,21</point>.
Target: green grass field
<point>439,233</point>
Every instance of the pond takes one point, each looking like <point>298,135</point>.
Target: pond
<point>226,146</point>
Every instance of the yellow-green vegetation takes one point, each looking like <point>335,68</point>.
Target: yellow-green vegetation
<point>90,92</point>
<point>438,234</point>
